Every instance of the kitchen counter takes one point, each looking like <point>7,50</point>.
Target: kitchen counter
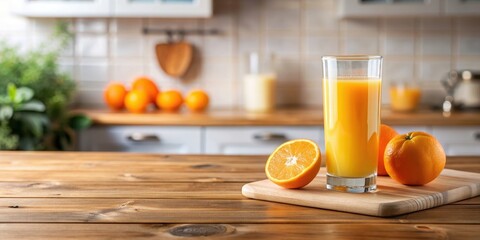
<point>47,195</point>
<point>282,117</point>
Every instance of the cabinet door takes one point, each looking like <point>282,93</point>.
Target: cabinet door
<point>179,140</point>
<point>163,8</point>
<point>459,141</point>
<point>255,140</point>
<point>388,8</point>
<point>462,7</point>
<point>62,8</point>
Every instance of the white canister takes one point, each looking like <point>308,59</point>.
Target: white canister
<point>259,85</point>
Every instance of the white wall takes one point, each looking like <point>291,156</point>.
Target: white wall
<point>298,31</point>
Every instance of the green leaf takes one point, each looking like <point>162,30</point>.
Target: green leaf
<point>33,122</point>
<point>27,143</point>
<point>34,106</point>
<point>12,91</point>
<point>6,112</point>
<point>79,121</point>
<point>4,100</point>
<point>23,94</point>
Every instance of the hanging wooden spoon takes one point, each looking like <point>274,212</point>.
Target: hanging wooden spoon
<point>174,57</point>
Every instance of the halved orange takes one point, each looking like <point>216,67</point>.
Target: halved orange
<point>294,164</point>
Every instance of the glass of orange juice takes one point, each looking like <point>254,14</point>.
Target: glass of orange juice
<point>351,106</point>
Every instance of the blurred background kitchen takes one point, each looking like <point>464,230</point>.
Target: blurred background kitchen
<point>421,41</point>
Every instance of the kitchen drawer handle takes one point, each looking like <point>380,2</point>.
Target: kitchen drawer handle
<point>270,136</point>
<point>140,137</point>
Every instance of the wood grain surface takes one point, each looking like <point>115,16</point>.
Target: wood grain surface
<point>46,195</point>
<point>390,198</point>
<point>280,117</point>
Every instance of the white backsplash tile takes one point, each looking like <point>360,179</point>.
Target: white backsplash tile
<point>321,45</point>
<point>222,94</point>
<point>288,96</point>
<point>312,93</point>
<point>127,46</point>
<point>364,26</point>
<point>275,4</point>
<point>92,25</point>
<point>399,44</point>
<point>288,72</point>
<point>317,21</point>
<point>436,24</point>
<point>283,20</point>
<point>399,25</point>
<point>469,44</point>
<point>361,45</point>
<point>127,70</point>
<point>469,62</point>
<point>312,71</point>
<point>127,26</point>
<point>283,44</point>
<point>247,45</point>
<point>398,70</point>
<point>436,44</point>
<point>249,17</point>
<point>93,70</point>
<point>92,45</point>
<point>218,46</point>
<point>298,32</point>
<point>216,70</point>
<point>434,70</point>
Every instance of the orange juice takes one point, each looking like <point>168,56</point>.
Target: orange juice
<point>404,98</point>
<point>352,125</point>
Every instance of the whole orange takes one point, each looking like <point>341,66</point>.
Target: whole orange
<point>148,85</point>
<point>114,96</point>
<point>170,100</point>
<point>415,158</point>
<point>137,101</point>
<point>197,100</point>
<point>386,134</point>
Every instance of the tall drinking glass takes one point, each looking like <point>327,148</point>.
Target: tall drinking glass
<point>351,106</point>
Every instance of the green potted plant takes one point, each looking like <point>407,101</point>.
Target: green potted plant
<point>32,84</point>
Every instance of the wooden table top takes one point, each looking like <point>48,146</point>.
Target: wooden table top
<point>281,117</point>
<point>46,195</point>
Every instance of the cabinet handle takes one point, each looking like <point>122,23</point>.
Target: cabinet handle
<point>140,137</point>
<point>477,136</point>
<point>270,136</point>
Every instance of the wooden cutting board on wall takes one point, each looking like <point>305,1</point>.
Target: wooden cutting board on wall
<point>390,199</point>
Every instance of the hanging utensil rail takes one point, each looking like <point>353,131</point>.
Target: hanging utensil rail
<point>180,32</point>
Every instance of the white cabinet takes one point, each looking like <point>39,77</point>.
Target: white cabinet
<point>163,8</point>
<point>113,8</point>
<point>62,8</point>
<point>459,141</point>
<point>255,140</point>
<point>389,8</point>
<point>462,7</point>
<point>178,140</point>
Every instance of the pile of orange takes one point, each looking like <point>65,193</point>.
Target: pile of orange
<point>145,92</point>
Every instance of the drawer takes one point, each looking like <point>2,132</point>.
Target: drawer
<point>179,140</point>
<point>255,140</point>
<point>459,141</point>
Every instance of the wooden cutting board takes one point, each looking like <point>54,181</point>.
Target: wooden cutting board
<point>390,199</point>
